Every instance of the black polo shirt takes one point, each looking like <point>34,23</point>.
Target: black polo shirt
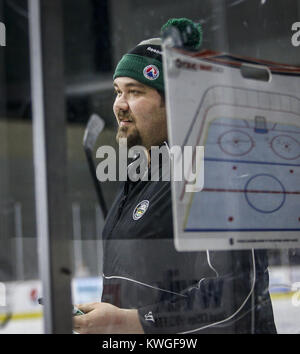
<point>178,292</point>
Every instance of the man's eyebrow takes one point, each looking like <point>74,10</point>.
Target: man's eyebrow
<point>134,84</point>
<point>131,84</point>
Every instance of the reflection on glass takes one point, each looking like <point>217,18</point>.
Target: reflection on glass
<point>97,34</point>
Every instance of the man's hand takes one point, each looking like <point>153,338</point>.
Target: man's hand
<point>101,317</point>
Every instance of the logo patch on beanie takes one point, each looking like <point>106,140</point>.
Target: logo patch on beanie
<point>151,72</point>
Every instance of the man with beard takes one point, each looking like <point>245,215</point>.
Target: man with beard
<point>148,286</point>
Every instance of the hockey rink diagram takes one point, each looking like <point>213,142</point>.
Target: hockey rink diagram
<point>251,166</point>
<point>258,174</point>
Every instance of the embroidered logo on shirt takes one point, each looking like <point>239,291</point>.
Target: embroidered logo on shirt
<point>149,316</point>
<point>140,209</point>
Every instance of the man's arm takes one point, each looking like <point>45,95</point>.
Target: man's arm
<point>101,318</point>
<point>236,300</point>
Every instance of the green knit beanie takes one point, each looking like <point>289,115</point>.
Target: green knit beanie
<point>144,62</point>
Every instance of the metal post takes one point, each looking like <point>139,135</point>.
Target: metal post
<point>49,140</point>
<point>78,253</point>
<point>220,40</point>
<point>99,228</point>
<point>5,250</point>
<point>19,241</point>
<point>2,70</point>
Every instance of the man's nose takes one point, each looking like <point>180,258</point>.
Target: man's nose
<point>121,104</point>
